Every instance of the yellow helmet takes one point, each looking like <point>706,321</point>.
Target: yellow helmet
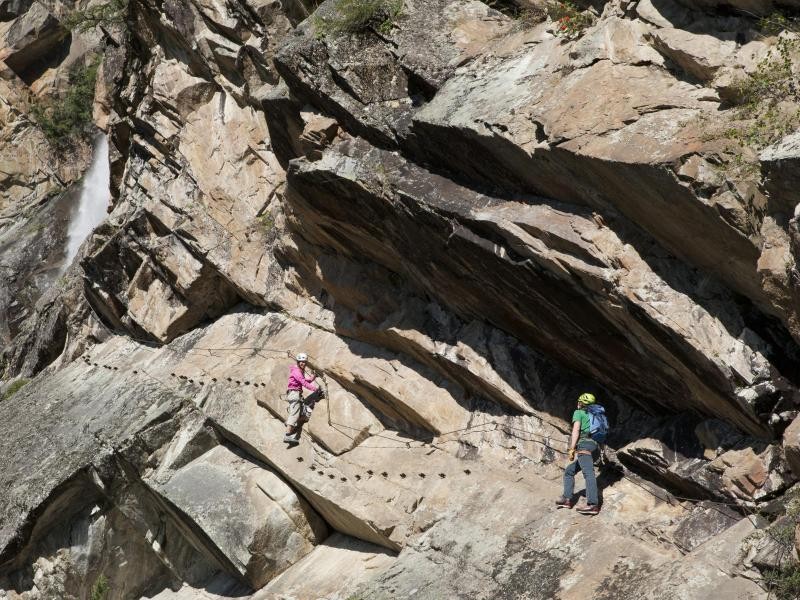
<point>586,399</point>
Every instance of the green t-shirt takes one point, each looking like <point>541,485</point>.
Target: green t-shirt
<point>582,416</point>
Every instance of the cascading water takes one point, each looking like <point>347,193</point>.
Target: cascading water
<point>94,198</point>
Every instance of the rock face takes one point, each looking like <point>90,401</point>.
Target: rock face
<point>466,220</point>
<point>34,39</point>
<point>780,166</point>
<point>252,516</point>
<point>189,473</point>
<point>39,185</point>
<point>34,207</point>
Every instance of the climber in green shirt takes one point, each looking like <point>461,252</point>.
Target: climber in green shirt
<point>580,418</point>
<point>582,448</point>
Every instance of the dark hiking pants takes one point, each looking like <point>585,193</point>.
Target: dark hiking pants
<point>584,463</point>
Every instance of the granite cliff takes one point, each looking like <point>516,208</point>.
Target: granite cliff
<point>467,213</point>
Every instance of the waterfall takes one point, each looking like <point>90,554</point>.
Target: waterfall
<point>94,198</point>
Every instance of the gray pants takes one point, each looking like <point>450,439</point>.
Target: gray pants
<point>300,407</point>
<point>584,463</point>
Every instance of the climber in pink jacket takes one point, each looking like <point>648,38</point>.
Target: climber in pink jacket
<point>299,408</point>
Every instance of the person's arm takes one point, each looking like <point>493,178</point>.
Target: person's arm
<point>573,441</point>
<point>576,433</point>
<point>308,382</point>
<point>295,376</point>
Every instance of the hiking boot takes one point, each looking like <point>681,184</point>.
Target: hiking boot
<point>590,509</point>
<point>290,439</point>
<point>563,503</point>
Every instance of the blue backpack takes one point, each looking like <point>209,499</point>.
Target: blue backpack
<point>598,423</point>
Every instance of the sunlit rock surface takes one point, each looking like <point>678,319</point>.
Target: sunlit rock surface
<point>466,221</point>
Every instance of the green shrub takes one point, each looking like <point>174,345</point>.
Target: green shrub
<point>107,14</point>
<point>100,588</point>
<point>267,222</point>
<point>569,19</point>
<point>774,80</point>
<point>69,116</point>
<point>359,16</point>
<point>784,581</point>
<point>14,388</point>
<point>767,105</point>
<point>777,22</point>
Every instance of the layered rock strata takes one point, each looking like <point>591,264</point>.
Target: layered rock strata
<point>185,470</point>
<point>464,234</point>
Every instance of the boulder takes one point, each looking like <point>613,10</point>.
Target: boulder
<point>748,474</point>
<point>163,289</point>
<point>700,56</point>
<point>706,520</point>
<point>318,133</point>
<point>619,40</point>
<point>743,470</point>
<point>694,458</point>
<point>728,79</point>
<point>715,435</point>
<point>33,41</point>
<point>658,460</point>
<point>663,13</point>
<point>250,514</point>
<point>333,570</point>
<point>779,165</point>
<point>791,446</point>
<point>770,549</point>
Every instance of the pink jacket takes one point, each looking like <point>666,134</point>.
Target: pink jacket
<point>297,380</point>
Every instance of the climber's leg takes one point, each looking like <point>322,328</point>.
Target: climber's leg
<point>308,405</point>
<point>294,410</point>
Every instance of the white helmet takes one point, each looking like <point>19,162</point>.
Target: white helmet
<point>302,357</point>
